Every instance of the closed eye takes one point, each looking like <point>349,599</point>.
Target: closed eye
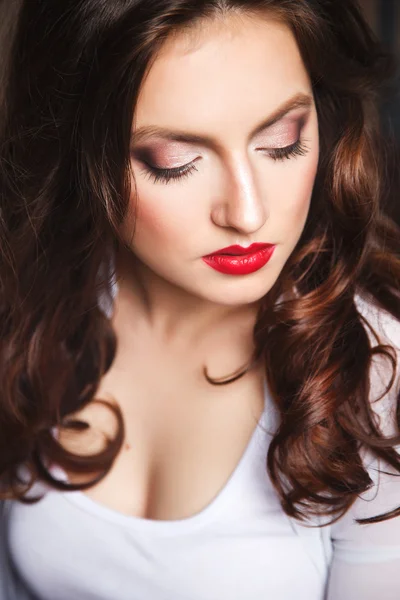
<point>167,175</point>
<point>296,149</point>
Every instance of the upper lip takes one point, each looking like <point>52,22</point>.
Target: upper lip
<point>235,249</point>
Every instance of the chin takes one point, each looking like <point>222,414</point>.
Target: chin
<point>237,295</point>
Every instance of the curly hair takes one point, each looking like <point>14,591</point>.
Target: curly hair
<point>70,85</point>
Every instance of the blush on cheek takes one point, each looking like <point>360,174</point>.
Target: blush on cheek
<point>158,227</point>
<point>297,209</point>
<point>148,216</point>
<point>308,177</point>
<point>143,219</point>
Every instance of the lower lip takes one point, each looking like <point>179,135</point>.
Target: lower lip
<point>242,264</point>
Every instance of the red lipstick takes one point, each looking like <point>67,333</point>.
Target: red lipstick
<point>237,260</point>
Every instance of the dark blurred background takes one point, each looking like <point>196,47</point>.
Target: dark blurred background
<point>384,18</point>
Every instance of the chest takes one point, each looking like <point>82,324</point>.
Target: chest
<point>183,441</point>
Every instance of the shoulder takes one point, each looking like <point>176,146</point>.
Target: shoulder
<point>11,585</point>
<point>377,542</point>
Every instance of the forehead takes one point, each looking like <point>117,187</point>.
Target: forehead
<point>223,74</point>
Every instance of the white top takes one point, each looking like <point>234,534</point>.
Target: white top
<point>242,546</point>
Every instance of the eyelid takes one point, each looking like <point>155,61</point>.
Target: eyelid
<point>280,134</point>
<point>277,147</point>
<point>294,124</point>
<point>154,154</point>
<point>277,130</point>
<point>185,166</point>
<point>299,148</point>
<point>171,169</point>
<point>167,175</point>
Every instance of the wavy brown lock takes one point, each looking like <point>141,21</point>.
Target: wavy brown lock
<point>73,74</point>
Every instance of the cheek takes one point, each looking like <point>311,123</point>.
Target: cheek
<point>298,194</point>
<point>305,189</point>
<point>300,183</point>
<point>151,219</point>
<point>163,216</point>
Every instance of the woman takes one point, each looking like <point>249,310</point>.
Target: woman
<point>199,304</point>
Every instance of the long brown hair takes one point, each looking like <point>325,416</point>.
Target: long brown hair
<point>71,82</point>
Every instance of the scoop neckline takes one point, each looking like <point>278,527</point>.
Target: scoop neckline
<point>161,526</point>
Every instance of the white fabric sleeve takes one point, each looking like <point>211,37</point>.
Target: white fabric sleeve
<point>366,558</point>
<point>11,587</point>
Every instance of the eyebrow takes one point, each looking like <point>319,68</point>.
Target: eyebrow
<point>299,100</point>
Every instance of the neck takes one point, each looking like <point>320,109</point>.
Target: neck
<point>173,315</point>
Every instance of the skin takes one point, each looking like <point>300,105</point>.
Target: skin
<point>174,313</point>
<point>221,81</point>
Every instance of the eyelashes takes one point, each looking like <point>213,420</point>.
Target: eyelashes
<point>167,175</point>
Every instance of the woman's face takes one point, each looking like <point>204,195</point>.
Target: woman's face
<point>230,106</point>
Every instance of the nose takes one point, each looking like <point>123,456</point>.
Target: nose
<point>241,206</point>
